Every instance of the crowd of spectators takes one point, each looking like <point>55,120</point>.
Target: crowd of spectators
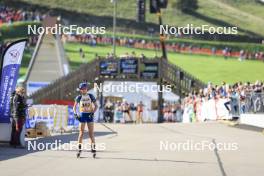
<point>10,15</point>
<point>94,40</point>
<point>123,112</point>
<point>172,112</point>
<point>131,112</point>
<point>239,97</point>
<point>236,100</point>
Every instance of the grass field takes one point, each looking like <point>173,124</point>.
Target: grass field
<point>207,68</point>
<point>18,30</point>
<point>248,15</point>
<point>25,61</point>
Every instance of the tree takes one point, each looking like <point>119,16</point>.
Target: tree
<point>186,5</point>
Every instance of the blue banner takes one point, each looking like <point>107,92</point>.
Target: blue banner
<point>12,58</point>
<point>129,66</point>
<point>109,68</point>
<point>150,70</point>
<point>71,119</point>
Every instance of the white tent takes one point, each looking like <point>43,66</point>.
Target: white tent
<point>126,91</point>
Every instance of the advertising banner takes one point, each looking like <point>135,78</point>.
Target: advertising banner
<point>109,68</point>
<point>150,70</point>
<point>128,66</point>
<point>12,58</point>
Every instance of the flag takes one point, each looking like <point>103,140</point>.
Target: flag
<point>11,62</point>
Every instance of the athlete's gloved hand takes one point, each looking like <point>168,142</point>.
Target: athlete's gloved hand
<point>76,116</point>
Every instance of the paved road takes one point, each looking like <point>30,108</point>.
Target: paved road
<point>135,150</point>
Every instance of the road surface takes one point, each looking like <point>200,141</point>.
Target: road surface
<point>141,150</point>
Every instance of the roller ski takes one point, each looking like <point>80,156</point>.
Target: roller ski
<point>93,150</point>
<point>78,155</point>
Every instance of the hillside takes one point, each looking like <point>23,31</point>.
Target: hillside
<point>230,70</point>
<point>248,15</point>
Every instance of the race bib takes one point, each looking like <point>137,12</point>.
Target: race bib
<point>86,104</point>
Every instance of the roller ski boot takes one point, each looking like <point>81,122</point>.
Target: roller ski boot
<point>78,155</point>
<point>93,150</point>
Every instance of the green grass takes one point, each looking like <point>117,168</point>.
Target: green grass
<point>19,30</point>
<point>25,62</point>
<point>217,69</point>
<point>207,68</point>
<point>16,30</point>
<point>72,51</point>
<point>246,14</point>
<point>236,46</point>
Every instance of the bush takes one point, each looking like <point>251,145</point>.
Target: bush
<point>15,30</point>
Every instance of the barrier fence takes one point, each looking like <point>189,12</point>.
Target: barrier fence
<point>254,103</point>
<point>56,117</point>
<point>59,117</point>
<point>215,109</point>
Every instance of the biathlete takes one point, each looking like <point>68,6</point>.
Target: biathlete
<point>87,107</point>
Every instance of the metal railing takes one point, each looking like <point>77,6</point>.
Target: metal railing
<point>185,84</point>
<point>64,88</point>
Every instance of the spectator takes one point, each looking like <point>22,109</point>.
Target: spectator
<point>140,107</point>
<point>18,113</point>
<point>236,98</point>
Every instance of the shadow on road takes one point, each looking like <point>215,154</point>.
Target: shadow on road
<point>148,160</point>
